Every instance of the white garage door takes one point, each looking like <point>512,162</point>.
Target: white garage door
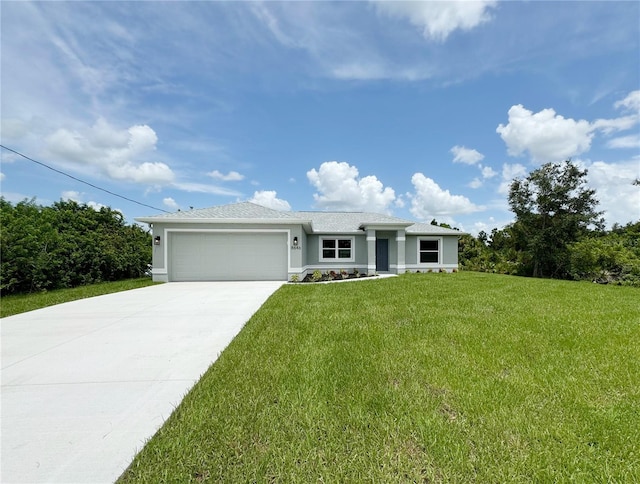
<point>207,256</point>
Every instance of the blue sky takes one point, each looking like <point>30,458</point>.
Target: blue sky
<point>417,109</point>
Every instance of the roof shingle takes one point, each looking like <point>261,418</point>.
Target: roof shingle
<point>232,211</point>
<point>321,222</point>
<point>341,222</point>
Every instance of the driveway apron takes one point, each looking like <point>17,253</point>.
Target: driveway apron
<point>86,383</point>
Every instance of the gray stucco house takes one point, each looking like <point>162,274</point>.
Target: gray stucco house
<point>245,241</point>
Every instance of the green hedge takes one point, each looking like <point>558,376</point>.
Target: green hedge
<point>67,245</point>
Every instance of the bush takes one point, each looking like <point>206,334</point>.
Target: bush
<point>607,259</point>
<point>67,245</point>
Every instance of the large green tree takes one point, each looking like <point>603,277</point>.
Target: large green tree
<point>554,208</point>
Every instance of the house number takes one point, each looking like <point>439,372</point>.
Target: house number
<point>296,247</point>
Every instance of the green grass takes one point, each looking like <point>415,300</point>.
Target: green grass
<point>21,303</point>
<point>463,377</point>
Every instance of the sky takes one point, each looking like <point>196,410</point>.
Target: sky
<point>421,110</point>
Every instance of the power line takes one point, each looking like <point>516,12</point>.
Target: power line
<point>81,181</point>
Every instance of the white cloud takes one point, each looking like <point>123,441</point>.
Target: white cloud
<point>439,19</point>
<point>608,126</point>
<point>2,176</point>
<point>269,199</point>
<point>8,157</point>
<point>488,225</point>
<point>488,172</point>
<point>13,128</point>
<point>72,195</point>
<point>613,182</point>
<point>481,227</point>
<point>75,196</point>
<point>170,203</point>
<point>359,70</point>
<point>631,141</point>
<point>147,172</point>
<point>97,206</point>
<point>377,69</point>
<point>204,188</point>
<point>231,176</point>
<point>466,155</point>
<point>545,135</point>
<point>549,137</point>
<point>340,188</point>
<point>333,41</point>
<point>429,200</point>
<point>631,102</point>
<point>509,172</point>
<point>120,154</point>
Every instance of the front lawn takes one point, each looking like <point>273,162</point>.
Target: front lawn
<point>463,377</point>
<point>21,303</point>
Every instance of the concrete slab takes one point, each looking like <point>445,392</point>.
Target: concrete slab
<point>86,383</point>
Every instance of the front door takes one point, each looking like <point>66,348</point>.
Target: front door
<point>382,255</point>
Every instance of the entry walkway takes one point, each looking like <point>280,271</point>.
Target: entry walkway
<point>86,383</point>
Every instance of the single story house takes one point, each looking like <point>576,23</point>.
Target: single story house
<point>245,241</point>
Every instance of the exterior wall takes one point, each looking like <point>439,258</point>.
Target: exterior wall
<point>448,253</point>
<point>160,251</point>
<point>297,253</point>
<point>159,271</point>
<point>298,267</point>
<point>313,261</point>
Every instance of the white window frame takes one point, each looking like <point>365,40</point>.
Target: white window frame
<point>439,251</point>
<point>321,257</point>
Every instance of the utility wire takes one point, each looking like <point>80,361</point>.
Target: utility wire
<point>81,181</point>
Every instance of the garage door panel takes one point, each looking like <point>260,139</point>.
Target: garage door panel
<point>201,256</point>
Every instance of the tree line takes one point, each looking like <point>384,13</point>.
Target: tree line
<point>67,244</point>
<point>557,233</point>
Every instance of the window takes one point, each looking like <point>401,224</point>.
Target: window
<point>429,251</point>
<point>336,250</point>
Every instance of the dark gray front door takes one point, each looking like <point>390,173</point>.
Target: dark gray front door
<point>382,255</point>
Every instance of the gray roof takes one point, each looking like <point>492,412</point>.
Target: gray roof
<point>342,222</point>
<point>320,222</point>
<point>232,212</point>
<point>428,229</point>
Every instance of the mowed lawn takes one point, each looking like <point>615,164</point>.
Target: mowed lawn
<point>463,377</point>
<point>21,303</point>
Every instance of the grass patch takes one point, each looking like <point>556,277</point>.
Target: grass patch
<point>464,377</point>
<point>21,303</point>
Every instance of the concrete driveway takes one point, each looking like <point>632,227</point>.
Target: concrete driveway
<point>86,383</point>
